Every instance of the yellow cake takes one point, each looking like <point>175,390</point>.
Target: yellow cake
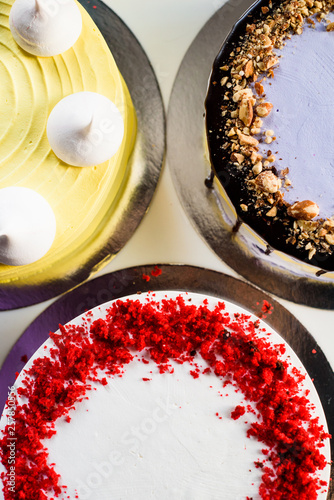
<point>83,199</point>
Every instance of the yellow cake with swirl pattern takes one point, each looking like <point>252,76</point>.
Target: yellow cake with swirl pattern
<point>82,199</point>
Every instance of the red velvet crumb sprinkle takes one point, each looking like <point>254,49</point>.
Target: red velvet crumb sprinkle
<point>238,412</point>
<point>156,271</point>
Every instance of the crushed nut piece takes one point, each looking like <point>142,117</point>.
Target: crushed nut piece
<point>247,139</point>
<point>272,212</point>
<point>249,69</point>
<point>257,169</point>
<point>255,157</point>
<point>311,253</point>
<point>246,112</point>
<point>264,109</point>
<point>329,238</point>
<point>237,157</point>
<point>304,210</point>
<point>267,181</point>
<point>242,94</point>
<point>259,89</point>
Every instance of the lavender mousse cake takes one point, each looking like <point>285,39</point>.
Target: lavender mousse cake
<point>270,125</point>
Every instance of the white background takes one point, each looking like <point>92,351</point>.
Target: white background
<point>166,28</point>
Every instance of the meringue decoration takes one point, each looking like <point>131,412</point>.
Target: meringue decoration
<point>27,226</point>
<point>85,129</point>
<point>45,27</point>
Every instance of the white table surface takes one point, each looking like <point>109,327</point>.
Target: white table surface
<point>166,28</point>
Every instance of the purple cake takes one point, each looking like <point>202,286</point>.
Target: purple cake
<point>270,125</point>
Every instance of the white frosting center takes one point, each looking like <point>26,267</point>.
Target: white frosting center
<point>157,439</point>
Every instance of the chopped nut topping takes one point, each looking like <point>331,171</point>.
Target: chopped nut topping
<point>242,94</point>
<point>267,181</point>
<point>249,69</point>
<point>246,112</point>
<point>265,41</point>
<point>322,232</point>
<point>259,89</point>
<point>255,157</point>
<point>247,139</point>
<point>257,169</point>
<point>330,239</point>
<point>268,62</point>
<point>237,157</point>
<point>311,253</point>
<point>258,122</point>
<point>304,210</point>
<point>329,224</point>
<point>307,225</point>
<point>272,212</point>
<point>263,109</point>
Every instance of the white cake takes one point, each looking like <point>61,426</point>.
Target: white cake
<point>151,435</point>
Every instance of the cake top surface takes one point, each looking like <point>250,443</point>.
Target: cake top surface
<point>187,393</point>
<point>302,120</point>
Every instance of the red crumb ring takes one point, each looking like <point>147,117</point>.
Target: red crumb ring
<point>170,330</point>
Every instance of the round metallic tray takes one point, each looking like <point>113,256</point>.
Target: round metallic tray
<point>147,160</point>
<point>209,209</point>
<point>180,278</point>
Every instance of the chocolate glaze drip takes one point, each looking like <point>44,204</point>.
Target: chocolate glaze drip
<point>269,250</point>
<point>320,272</point>
<point>209,180</point>
<point>237,225</point>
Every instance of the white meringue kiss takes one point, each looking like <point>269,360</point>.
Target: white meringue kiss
<point>85,129</point>
<point>27,226</point>
<point>45,27</point>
